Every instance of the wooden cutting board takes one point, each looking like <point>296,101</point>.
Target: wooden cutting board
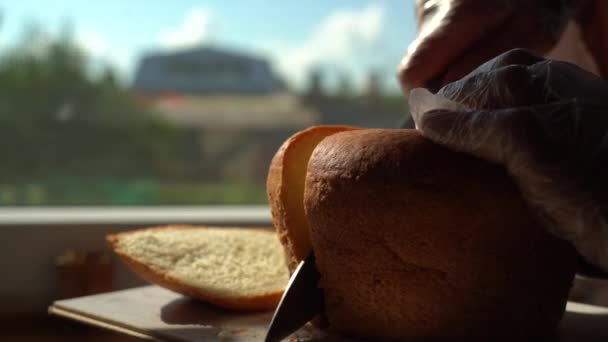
<point>154,313</point>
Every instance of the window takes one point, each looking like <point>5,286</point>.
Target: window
<point>128,103</point>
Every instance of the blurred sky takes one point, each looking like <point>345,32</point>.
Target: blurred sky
<point>342,36</point>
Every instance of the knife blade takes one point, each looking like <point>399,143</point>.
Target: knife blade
<point>301,301</point>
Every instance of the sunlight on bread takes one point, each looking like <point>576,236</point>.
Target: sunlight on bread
<point>285,186</point>
<point>236,268</point>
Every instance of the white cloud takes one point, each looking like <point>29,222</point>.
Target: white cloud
<point>342,35</point>
<point>102,52</point>
<point>197,27</point>
<point>92,42</point>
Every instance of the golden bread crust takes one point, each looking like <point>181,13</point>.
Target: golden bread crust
<point>414,240</point>
<point>288,217</point>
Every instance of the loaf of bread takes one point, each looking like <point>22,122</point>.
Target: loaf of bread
<point>413,240</point>
<point>235,268</point>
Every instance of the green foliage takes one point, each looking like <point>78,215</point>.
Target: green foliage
<point>102,191</point>
<point>183,193</point>
<point>57,120</point>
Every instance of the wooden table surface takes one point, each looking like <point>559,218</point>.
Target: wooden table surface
<point>154,313</point>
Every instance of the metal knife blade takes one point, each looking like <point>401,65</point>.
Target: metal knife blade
<point>301,301</point>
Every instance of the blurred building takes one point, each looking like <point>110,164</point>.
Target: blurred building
<point>236,109</point>
<point>371,108</point>
<point>205,71</point>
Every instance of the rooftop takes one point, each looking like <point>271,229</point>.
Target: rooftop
<point>205,71</point>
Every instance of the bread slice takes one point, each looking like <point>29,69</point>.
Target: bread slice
<point>413,240</point>
<point>234,268</point>
<point>285,187</point>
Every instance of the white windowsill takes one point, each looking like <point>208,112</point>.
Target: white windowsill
<point>225,215</point>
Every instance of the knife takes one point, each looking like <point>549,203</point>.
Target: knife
<point>301,301</point>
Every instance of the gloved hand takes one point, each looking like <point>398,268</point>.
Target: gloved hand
<point>455,36</point>
<point>547,123</point>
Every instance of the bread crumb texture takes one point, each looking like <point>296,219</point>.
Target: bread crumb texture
<point>225,262</point>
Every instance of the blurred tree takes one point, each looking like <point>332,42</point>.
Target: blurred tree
<point>345,85</point>
<point>315,82</point>
<point>57,120</point>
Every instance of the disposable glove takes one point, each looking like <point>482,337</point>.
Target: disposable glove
<point>547,123</point>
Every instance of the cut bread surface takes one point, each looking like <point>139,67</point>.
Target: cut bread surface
<point>237,268</point>
<point>285,186</point>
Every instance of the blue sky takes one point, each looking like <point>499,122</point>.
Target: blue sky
<point>343,36</point>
